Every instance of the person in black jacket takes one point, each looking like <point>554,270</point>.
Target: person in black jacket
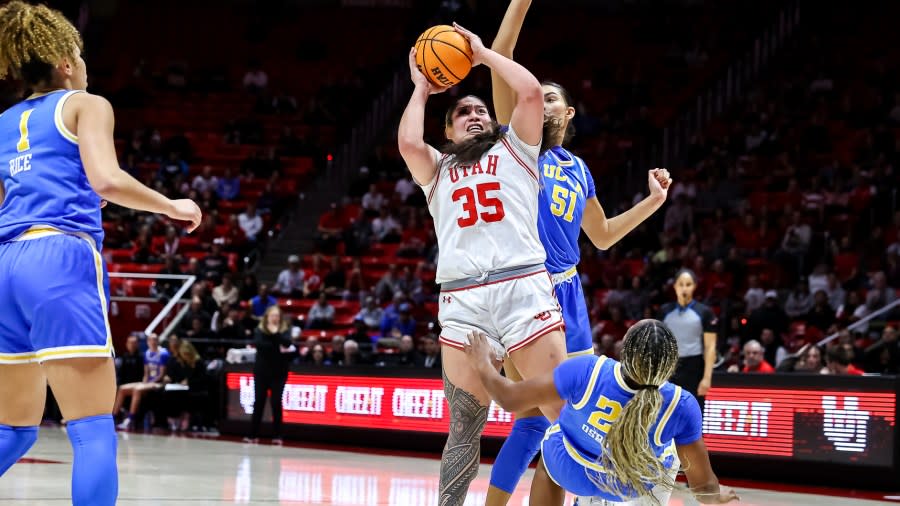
<point>272,340</point>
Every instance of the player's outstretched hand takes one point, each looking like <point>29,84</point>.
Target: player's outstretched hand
<point>418,78</point>
<point>659,182</point>
<point>480,352</point>
<point>186,210</point>
<point>475,43</point>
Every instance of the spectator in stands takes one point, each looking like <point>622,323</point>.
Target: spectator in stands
<point>169,245</point>
<point>402,324</point>
<point>373,201</point>
<point>755,296</point>
<point>414,238</point>
<point>753,359</point>
<point>336,280</point>
<point>795,244</point>
<point>336,356</point>
<point>635,300</point>
<point>321,314</point>
<point>835,292</point>
<point>250,222</point>
<point>314,278</point>
<point>883,356</point>
<point>387,286</point>
<point>431,358</point>
<point>351,355</point>
<point>768,316</point>
<point>799,302</point>
<point>880,295</point>
<point>273,345</point>
<point>187,369</point>
<point>355,287</point>
<point>172,169</point>
<point>385,228</point>
<point>196,311</point>
<point>331,227</point>
<point>410,284</point>
<point>404,188</point>
<point>205,181</point>
<point>249,287</point>
<point>226,292</point>
<point>130,365</point>
<point>360,332</point>
<point>807,360</point>
<point>406,355</point>
<point>317,356</point>
<point>166,288</point>
<point>290,280</point>
<point>214,265</point>
<point>199,329</point>
<point>839,361</point>
<point>229,186</point>
<point>821,315</point>
<point>371,313</point>
<point>773,351</point>
<point>156,360</point>
<point>262,302</point>
<point>201,290</point>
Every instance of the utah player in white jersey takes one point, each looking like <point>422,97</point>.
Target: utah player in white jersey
<point>482,190</point>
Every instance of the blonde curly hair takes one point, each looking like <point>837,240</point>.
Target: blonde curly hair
<point>33,40</point>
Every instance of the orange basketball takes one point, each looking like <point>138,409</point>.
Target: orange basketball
<point>443,55</point>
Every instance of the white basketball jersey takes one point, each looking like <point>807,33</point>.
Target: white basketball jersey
<point>485,214</point>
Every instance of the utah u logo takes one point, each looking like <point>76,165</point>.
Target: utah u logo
<point>543,316</point>
<point>446,299</point>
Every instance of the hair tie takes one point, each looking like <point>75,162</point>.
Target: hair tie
<point>647,387</point>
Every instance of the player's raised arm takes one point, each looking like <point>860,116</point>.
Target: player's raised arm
<point>504,45</point>
<point>527,118</point>
<point>94,123</point>
<point>605,232</point>
<point>420,158</point>
<point>512,396</point>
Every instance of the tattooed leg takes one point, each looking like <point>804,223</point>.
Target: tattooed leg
<point>468,414</point>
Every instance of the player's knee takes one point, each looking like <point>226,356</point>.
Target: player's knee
<point>518,451</point>
<point>94,473</point>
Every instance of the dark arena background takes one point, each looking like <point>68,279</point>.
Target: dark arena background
<point>779,121</point>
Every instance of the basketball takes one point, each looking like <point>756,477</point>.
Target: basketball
<point>443,55</point>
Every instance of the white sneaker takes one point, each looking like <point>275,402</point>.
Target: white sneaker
<point>125,425</point>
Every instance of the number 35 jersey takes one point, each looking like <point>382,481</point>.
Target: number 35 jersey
<point>41,172</point>
<point>595,392</point>
<point>485,214</point>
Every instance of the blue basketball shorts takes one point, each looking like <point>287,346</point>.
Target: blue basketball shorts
<point>582,477</point>
<point>53,295</point>
<point>575,313</point>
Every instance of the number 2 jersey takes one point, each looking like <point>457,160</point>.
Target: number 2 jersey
<point>485,214</point>
<point>42,174</point>
<point>595,393</point>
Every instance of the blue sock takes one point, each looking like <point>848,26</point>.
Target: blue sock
<point>518,451</point>
<point>95,479</point>
<point>14,442</point>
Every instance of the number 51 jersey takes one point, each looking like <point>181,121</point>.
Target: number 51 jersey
<point>485,214</point>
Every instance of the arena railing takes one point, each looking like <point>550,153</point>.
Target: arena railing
<point>187,282</point>
<point>859,323</point>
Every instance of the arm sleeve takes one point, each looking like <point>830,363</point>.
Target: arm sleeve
<point>690,426</point>
<point>572,376</point>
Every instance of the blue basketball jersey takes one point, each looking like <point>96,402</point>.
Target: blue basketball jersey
<point>155,362</point>
<point>595,393</point>
<point>567,185</point>
<point>42,174</point>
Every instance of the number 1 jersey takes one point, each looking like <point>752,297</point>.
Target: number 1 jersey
<point>485,214</point>
<point>42,174</point>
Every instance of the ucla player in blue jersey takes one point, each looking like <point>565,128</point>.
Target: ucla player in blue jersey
<point>57,163</point>
<point>624,428</point>
<point>568,205</point>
